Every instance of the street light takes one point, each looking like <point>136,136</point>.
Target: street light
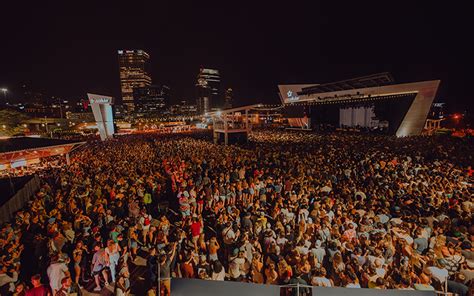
<point>5,90</point>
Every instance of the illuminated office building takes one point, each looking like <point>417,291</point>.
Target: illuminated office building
<point>151,100</point>
<point>208,90</point>
<point>228,98</point>
<point>133,66</point>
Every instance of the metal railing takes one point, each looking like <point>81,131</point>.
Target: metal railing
<point>441,293</point>
<point>230,126</point>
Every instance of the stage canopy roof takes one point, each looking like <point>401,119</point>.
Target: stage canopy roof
<point>368,89</point>
<point>27,148</point>
<point>379,79</point>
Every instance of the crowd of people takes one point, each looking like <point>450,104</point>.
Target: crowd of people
<point>355,211</point>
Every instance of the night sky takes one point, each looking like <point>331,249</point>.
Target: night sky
<point>67,50</point>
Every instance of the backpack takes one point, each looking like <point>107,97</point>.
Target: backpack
<point>147,221</point>
<point>147,198</point>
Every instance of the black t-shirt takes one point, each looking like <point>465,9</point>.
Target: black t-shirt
<point>123,243</point>
<point>151,264</point>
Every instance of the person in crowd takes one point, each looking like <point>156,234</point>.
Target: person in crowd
<point>113,253</point>
<point>120,288</point>
<point>56,271</point>
<point>218,271</point>
<point>7,279</point>
<point>68,287</point>
<point>20,289</point>
<point>328,208</point>
<point>38,289</point>
<point>78,254</point>
<point>100,262</point>
<point>165,269</point>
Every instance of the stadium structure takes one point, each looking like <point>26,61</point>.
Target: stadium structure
<point>371,102</point>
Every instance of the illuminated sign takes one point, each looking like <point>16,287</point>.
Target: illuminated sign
<point>101,100</point>
<point>289,92</point>
<point>341,97</point>
<point>121,51</point>
<point>210,71</point>
<point>291,96</point>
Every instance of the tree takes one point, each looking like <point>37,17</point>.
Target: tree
<point>11,122</point>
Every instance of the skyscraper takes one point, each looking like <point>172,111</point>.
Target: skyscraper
<point>228,98</point>
<point>151,100</point>
<point>208,90</point>
<point>133,65</point>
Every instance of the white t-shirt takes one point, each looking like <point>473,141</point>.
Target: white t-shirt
<point>6,279</point>
<point>330,215</point>
<point>303,250</point>
<point>321,282</point>
<point>281,241</point>
<point>380,272</point>
<point>235,267</point>
<point>56,272</point>
<point>218,276</point>
<point>288,215</point>
<point>373,258</point>
<point>407,238</point>
<point>326,189</point>
<point>320,253</point>
<point>229,235</point>
<point>142,222</point>
<point>304,213</point>
<point>438,273</point>
<point>383,218</point>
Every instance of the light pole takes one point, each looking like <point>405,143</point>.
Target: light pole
<point>5,90</point>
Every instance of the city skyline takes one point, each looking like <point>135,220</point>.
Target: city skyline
<point>72,50</point>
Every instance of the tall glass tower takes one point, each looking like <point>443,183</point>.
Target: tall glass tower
<point>208,90</point>
<point>133,67</point>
